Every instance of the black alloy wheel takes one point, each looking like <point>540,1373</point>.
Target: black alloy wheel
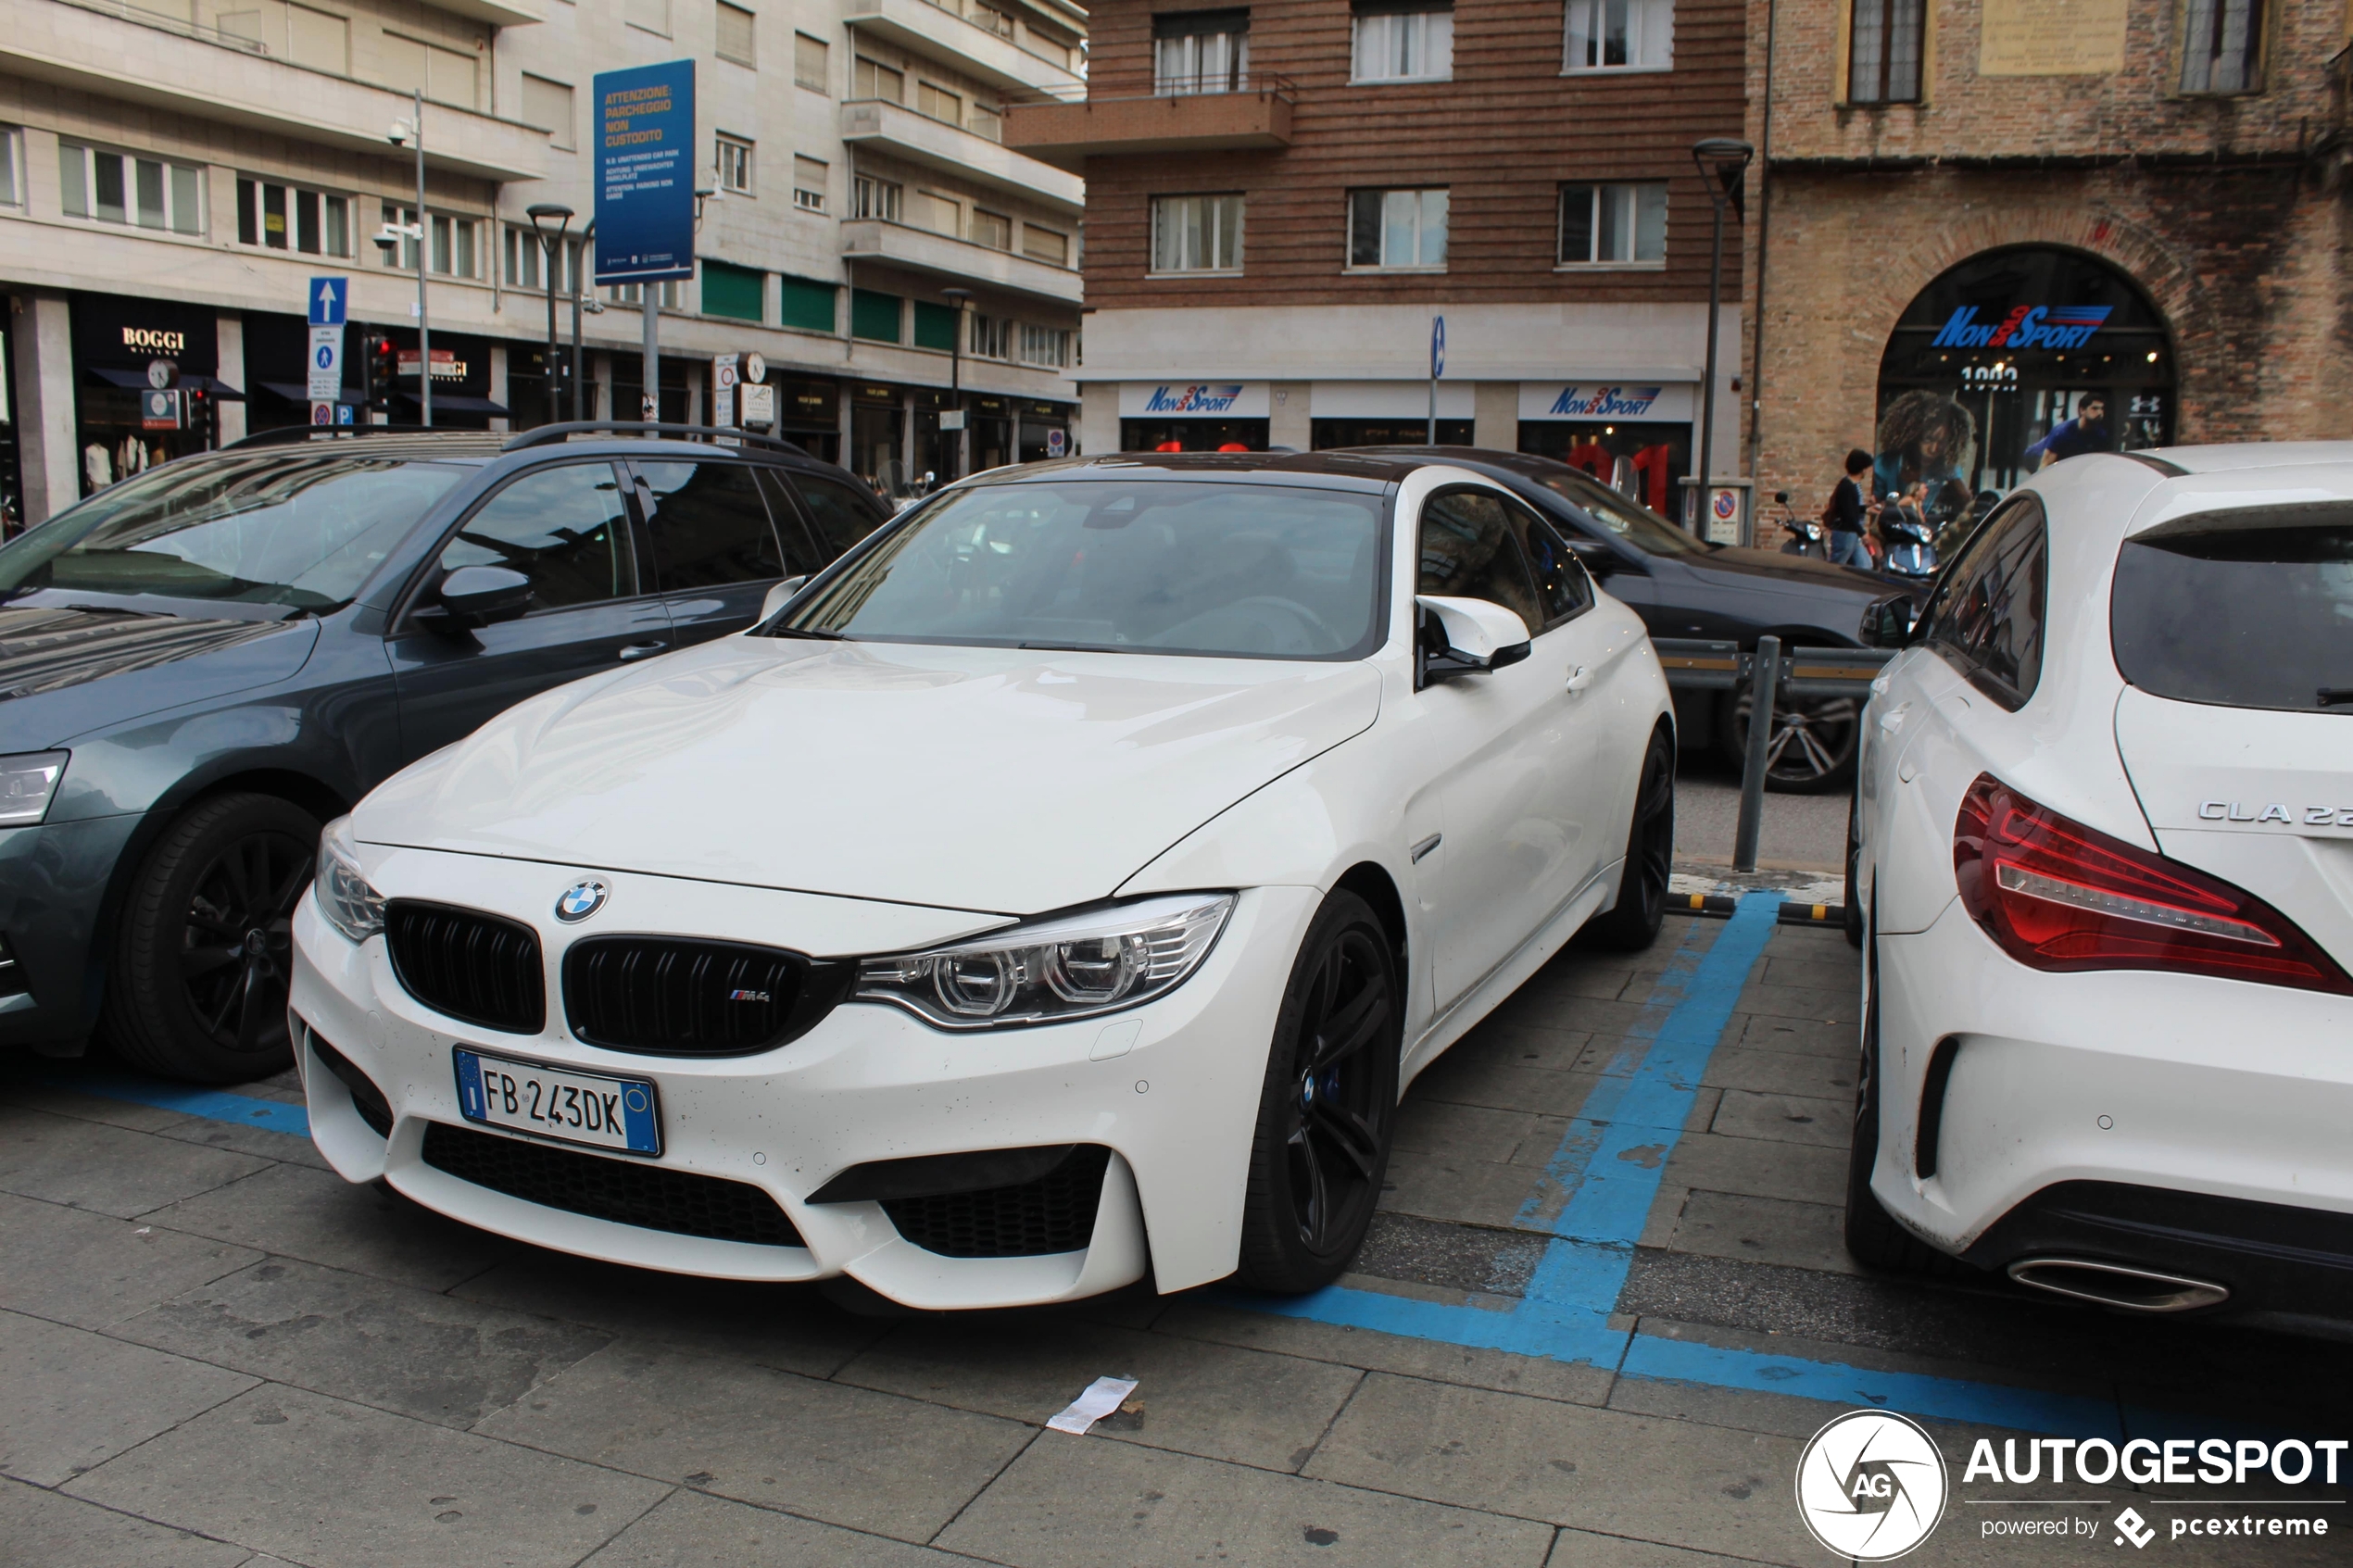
<point>1329,1106</point>
<point>1853,908</point>
<point>1632,924</point>
<point>205,955</point>
<point>1811,750</point>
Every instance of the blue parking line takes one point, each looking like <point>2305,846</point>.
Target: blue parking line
<point>242,1111</point>
<point>1594,1199</point>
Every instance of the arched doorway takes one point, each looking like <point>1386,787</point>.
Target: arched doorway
<point>1995,353</point>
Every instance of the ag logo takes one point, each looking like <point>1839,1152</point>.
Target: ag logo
<point>1870,1486</point>
<point>581,899</point>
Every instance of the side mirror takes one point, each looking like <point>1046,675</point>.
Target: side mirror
<point>1597,558</point>
<point>1887,624</point>
<point>477,595</point>
<point>1462,636</point>
<point>1780,497</point>
<point>780,596</point>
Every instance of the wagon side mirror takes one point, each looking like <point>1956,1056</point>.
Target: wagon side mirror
<point>479,596</point>
<point>1888,623</point>
<point>1464,636</point>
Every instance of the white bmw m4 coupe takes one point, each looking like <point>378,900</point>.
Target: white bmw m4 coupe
<point>1059,889</point>
<point>2104,842</point>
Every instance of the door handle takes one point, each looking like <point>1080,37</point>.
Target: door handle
<point>1579,678</point>
<point>1890,723</point>
<point>643,650</point>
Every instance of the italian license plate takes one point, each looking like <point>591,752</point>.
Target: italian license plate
<point>576,1107</point>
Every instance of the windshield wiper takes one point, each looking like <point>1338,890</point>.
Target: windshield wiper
<point>2331,696</point>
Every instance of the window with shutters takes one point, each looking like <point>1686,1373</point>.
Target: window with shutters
<point>1884,51</point>
<point>1045,244</point>
<point>871,79</point>
<point>446,76</point>
<point>1404,41</point>
<point>318,39</point>
<point>12,177</point>
<point>870,197</point>
<point>736,35</point>
<point>811,66</point>
<point>734,165</point>
<point>1619,35</point>
<point>2222,46</point>
<point>1197,234</point>
<point>145,193</point>
<point>653,15</point>
<point>548,104</point>
<point>992,229</point>
<point>1201,52</point>
<point>279,217</point>
<point>939,104</point>
<point>809,179</point>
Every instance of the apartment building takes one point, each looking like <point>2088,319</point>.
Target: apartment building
<point>1282,197</point>
<point>1977,217</point>
<point>172,172</point>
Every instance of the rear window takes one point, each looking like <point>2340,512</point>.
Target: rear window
<point>2241,609</point>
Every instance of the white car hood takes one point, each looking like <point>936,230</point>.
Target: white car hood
<point>984,779</point>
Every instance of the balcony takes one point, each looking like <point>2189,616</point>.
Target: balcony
<point>893,128</point>
<point>944,256</point>
<point>1066,135</point>
<point>938,32</point>
<point>122,53</point>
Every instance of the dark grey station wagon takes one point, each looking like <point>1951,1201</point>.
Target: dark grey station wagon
<point>200,666</point>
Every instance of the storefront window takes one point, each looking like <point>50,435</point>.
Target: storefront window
<point>1192,435</point>
<point>2012,359</point>
<point>1638,458</point>
<point>1325,434</point>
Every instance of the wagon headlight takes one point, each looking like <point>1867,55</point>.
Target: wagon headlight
<point>1071,966</point>
<point>350,905</point>
<point>28,782</point>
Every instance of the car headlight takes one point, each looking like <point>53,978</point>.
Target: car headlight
<point>27,782</point>
<point>350,905</point>
<point>1072,966</point>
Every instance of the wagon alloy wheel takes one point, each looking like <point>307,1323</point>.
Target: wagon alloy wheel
<point>203,959</point>
<point>1334,1143</point>
<point>1329,1106</point>
<point>237,942</point>
<point>1812,747</point>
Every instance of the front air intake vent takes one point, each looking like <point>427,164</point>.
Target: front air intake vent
<point>475,967</point>
<point>1054,1212</point>
<point>669,996</point>
<point>626,1192</point>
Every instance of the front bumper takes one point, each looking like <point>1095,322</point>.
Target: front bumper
<point>2173,1121</point>
<point>53,888</point>
<point>1175,1097</point>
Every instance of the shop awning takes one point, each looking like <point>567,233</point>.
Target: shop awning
<point>136,381</point>
<point>295,392</point>
<point>457,403</point>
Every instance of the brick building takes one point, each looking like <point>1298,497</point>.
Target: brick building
<point>1281,196</point>
<point>1971,218</point>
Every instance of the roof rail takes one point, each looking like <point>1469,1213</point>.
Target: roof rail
<point>286,434</point>
<point>548,435</point>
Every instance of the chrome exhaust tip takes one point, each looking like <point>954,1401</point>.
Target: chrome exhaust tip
<point>2118,1285</point>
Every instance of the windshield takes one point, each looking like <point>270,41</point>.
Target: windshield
<point>1622,515</point>
<point>1164,566</point>
<point>264,528</point>
<point>2247,608</point>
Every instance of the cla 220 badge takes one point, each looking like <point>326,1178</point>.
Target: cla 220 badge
<point>581,899</point>
<point>1870,1486</point>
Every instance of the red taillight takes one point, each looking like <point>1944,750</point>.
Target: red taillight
<point>2057,895</point>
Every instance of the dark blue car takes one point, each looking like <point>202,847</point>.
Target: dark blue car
<point>202,665</point>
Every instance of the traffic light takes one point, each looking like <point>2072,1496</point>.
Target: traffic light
<point>383,365</point>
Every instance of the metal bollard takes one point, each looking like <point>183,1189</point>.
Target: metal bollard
<point>1762,686</point>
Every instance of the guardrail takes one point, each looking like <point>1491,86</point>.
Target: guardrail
<point>1696,664</point>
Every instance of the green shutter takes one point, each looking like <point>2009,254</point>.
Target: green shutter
<point>873,315</point>
<point>734,291</point>
<point>807,306</point>
<point>934,326</point>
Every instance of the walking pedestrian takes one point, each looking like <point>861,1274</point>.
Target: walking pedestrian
<point>1844,514</point>
<point>2087,431</point>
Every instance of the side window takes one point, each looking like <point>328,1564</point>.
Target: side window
<point>1988,615</point>
<point>564,528</point>
<point>1561,582</point>
<point>1470,549</point>
<point>840,516</point>
<point>710,526</point>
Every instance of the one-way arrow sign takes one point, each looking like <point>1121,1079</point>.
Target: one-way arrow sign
<point>327,296</point>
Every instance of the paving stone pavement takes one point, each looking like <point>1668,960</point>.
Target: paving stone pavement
<point>214,1352</point>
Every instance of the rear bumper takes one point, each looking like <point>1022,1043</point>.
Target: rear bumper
<point>53,887</point>
<point>2270,1256</point>
<point>2183,1123</point>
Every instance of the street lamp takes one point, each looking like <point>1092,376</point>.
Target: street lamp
<point>552,246</point>
<point>1723,162</point>
<point>594,306</point>
<point>956,298</point>
<point>403,131</point>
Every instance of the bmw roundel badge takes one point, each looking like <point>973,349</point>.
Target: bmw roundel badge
<point>581,899</point>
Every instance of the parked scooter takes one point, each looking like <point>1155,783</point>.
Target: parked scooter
<point>1806,535</point>
<point>1910,540</point>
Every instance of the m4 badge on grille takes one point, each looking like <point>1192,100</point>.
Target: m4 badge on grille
<point>747,995</point>
<point>581,899</point>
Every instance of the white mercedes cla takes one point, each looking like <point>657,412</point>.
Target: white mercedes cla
<point>2105,841</point>
<point>1060,888</point>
